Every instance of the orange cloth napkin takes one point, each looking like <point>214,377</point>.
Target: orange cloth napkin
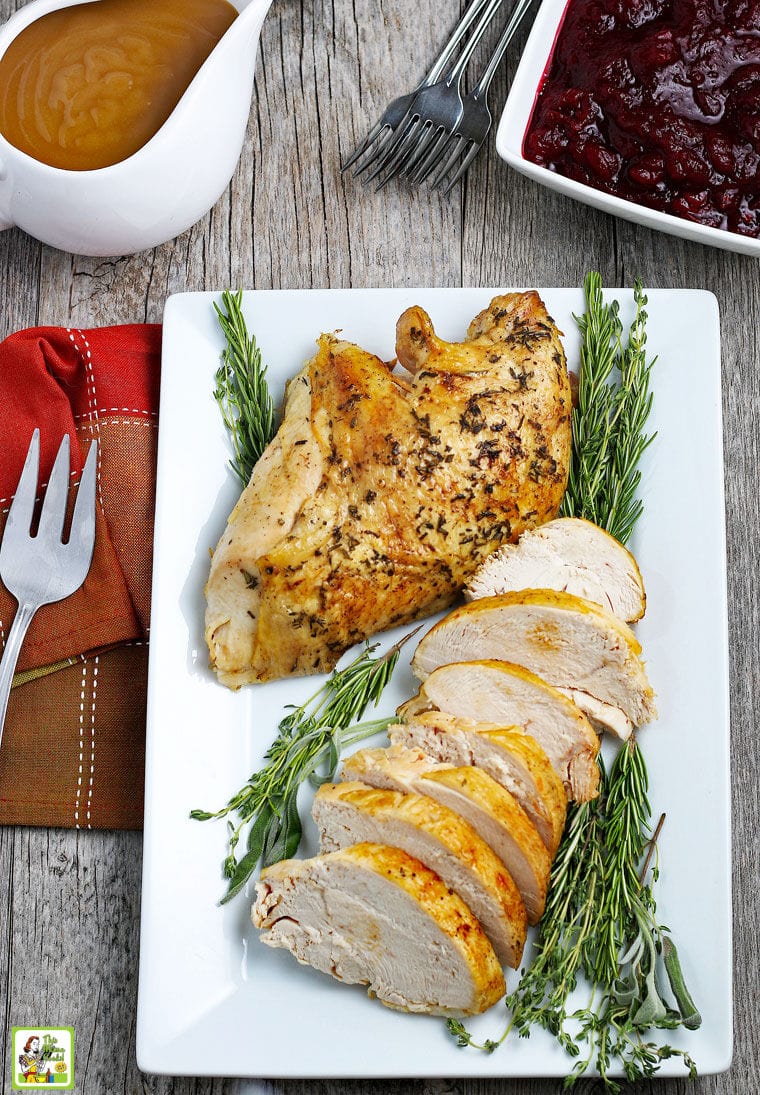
<point>73,749</point>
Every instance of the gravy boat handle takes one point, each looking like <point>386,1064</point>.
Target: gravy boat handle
<point>254,14</point>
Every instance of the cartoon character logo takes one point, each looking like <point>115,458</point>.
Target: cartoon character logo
<point>42,1055</point>
<point>34,1063</point>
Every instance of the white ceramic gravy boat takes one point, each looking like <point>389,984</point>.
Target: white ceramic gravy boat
<point>168,184</point>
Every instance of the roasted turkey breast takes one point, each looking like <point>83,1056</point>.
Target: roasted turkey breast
<point>382,492</point>
<point>489,808</point>
<point>509,755</point>
<point>510,695</point>
<point>571,555</point>
<point>373,915</point>
<point>567,641</point>
<point>348,813</point>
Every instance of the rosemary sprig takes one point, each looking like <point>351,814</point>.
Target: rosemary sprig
<point>241,389</point>
<point>309,740</point>
<point>614,402</point>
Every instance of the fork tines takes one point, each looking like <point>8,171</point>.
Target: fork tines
<point>40,568</point>
<point>435,132</point>
<point>377,146</point>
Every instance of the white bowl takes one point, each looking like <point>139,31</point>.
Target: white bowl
<point>514,122</point>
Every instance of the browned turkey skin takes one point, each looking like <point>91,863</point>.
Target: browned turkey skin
<point>382,492</point>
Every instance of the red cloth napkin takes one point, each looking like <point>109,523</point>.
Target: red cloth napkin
<point>74,742</point>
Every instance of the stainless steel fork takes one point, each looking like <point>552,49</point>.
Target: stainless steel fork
<point>466,138</point>
<point>434,112</point>
<point>41,569</point>
<point>381,133</point>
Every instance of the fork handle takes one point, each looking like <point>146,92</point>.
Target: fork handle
<point>518,14</point>
<point>439,65</point>
<point>18,630</point>
<point>491,8</point>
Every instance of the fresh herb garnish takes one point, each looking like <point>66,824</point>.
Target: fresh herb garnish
<point>309,740</point>
<point>241,389</point>
<point>614,402</point>
<point>600,917</point>
<point>600,921</point>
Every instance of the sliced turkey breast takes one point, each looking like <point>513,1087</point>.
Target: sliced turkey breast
<point>510,695</point>
<point>373,915</point>
<point>566,640</point>
<point>349,813</point>
<point>567,554</point>
<point>493,812</point>
<point>602,716</point>
<point>507,754</point>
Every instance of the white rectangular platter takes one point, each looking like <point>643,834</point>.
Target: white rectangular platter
<point>212,999</point>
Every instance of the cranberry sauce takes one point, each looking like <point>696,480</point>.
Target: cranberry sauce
<point>657,101</point>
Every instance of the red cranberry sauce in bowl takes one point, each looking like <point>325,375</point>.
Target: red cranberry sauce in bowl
<point>657,102</point>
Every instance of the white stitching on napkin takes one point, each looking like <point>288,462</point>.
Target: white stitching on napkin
<point>92,395</point>
<point>81,743</point>
<point>117,410</point>
<point>92,738</point>
<point>119,420</point>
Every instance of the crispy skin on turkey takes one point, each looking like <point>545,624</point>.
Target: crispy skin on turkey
<point>568,554</point>
<point>382,493</point>
<point>373,915</point>
<point>493,812</point>
<point>348,813</point>
<point>567,641</point>
<point>509,755</point>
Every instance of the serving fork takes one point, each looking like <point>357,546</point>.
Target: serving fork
<point>40,569</point>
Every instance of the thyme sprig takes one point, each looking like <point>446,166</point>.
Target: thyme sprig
<point>241,388</point>
<point>309,741</point>
<point>600,921</point>
<point>614,403</point>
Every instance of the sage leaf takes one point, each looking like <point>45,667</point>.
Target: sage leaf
<point>243,871</point>
<point>258,831</point>
<point>690,1016</point>
<point>284,837</point>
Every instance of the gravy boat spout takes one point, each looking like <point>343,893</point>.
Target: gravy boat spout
<point>163,188</point>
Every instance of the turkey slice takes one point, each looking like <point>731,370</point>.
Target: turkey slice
<point>373,915</point>
<point>349,813</point>
<point>507,754</point>
<point>489,808</point>
<point>567,641</point>
<point>567,554</point>
<point>510,695</point>
<point>602,716</point>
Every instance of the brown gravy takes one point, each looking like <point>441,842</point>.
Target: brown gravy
<point>88,85</point>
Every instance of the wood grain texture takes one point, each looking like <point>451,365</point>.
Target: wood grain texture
<point>69,901</point>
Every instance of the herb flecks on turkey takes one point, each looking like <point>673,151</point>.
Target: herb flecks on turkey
<point>383,491</point>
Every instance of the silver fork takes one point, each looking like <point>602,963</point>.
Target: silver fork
<point>383,130</point>
<point>466,138</point>
<point>41,569</point>
<point>434,113</point>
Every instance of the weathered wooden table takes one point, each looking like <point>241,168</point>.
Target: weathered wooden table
<point>70,901</point>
